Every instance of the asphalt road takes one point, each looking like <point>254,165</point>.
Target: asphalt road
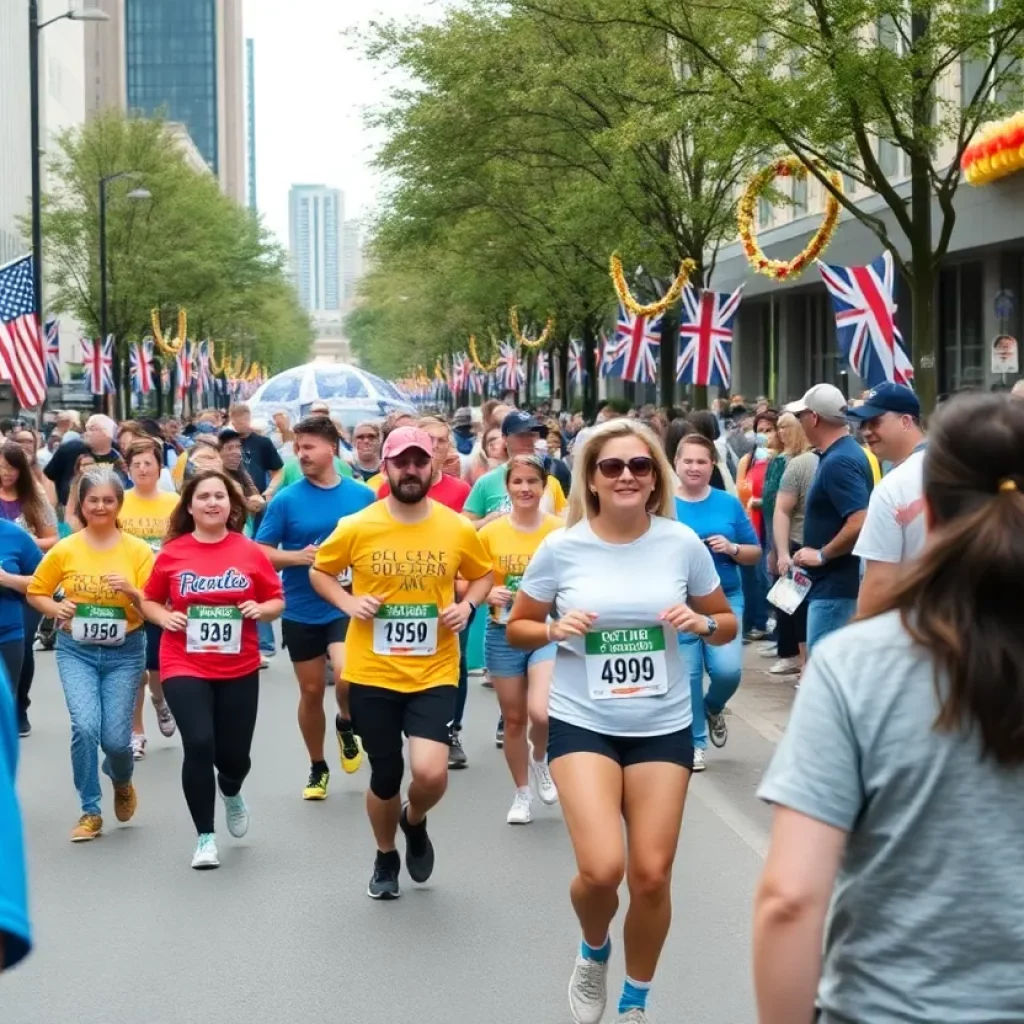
<point>126,932</point>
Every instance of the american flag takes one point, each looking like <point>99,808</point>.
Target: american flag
<point>21,348</point>
<point>141,359</point>
<point>511,373</point>
<point>51,331</point>
<point>637,344</point>
<point>577,369</point>
<point>705,337</point>
<point>98,357</point>
<point>869,339</point>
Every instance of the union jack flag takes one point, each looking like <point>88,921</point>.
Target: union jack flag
<point>577,368</point>
<point>637,344</point>
<point>98,357</point>
<point>511,373</point>
<point>869,339</point>
<point>51,332</point>
<point>543,369</point>
<point>705,337</point>
<point>607,350</point>
<point>140,357</point>
<point>204,373</point>
<point>462,372</point>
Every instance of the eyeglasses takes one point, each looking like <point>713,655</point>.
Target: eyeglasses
<point>640,466</point>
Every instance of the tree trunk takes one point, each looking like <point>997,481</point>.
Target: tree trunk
<point>669,334</point>
<point>591,362</point>
<point>926,369</point>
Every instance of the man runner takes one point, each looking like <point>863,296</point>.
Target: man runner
<point>298,519</point>
<point>402,655</point>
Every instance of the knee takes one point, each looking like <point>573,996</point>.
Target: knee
<point>515,720</point>
<point>432,779</point>
<point>649,878</point>
<point>605,874</point>
<point>312,690</point>
<point>199,746</point>
<point>86,729</point>
<point>386,775</point>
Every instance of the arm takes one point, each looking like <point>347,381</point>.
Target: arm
<point>785,505</point>
<point>878,581</point>
<point>275,482</point>
<point>14,582</point>
<point>700,608</point>
<point>327,586</point>
<point>842,543</point>
<point>160,615</point>
<point>47,536</point>
<point>50,609</point>
<point>287,559</point>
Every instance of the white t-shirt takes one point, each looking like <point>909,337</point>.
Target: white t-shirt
<point>627,585</point>
<point>894,529</point>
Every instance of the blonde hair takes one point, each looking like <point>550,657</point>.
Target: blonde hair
<point>583,503</point>
<point>788,420</point>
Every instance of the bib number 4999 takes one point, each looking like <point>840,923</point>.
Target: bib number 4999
<point>626,662</point>
<point>632,669</point>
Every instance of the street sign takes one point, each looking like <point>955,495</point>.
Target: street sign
<point>1004,304</point>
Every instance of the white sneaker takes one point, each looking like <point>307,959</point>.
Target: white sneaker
<point>205,856</point>
<point>165,718</point>
<point>237,814</point>
<point>768,650</point>
<point>700,759</point>
<point>138,746</point>
<point>543,783</point>
<point>785,667</point>
<point>588,991</point>
<point>634,1016</point>
<point>520,813</point>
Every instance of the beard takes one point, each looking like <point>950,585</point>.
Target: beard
<point>410,489</point>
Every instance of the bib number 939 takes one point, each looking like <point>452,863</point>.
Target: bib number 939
<point>626,662</point>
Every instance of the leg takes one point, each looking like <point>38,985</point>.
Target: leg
<point>312,721</point>
<point>826,616</point>
<point>463,693</point>
<point>724,665</point>
<point>235,705</point>
<point>541,667</point>
<point>265,631</point>
<point>192,701</point>
<point>428,768</point>
<point>691,650</point>
<point>12,655</point>
<point>138,725</point>
<point>336,653</point>
<point>79,677</point>
<point>120,670</point>
<point>511,692</point>
<point>31,618</point>
<point>377,717</point>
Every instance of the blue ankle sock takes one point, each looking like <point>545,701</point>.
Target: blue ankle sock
<point>600,954</point>
<point>634,995</point>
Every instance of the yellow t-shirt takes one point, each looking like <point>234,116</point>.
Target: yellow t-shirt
<point>147,518</point>
<point>411,569</point>
<point>876,469</point>
<point>510,550</point>
<point>375,481</point>
<point>74,564</point>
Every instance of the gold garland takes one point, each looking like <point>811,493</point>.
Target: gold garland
<point>545,335</point>
<point>217,368</point>
<point>169,348</point>
<point>474,355</point>
<point>686,268</point>
<point>786,167</point>
<point>440,373</point>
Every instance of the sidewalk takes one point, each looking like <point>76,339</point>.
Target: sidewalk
<point>763,701</point>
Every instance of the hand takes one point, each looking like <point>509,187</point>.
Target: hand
<point>255,504</point>
<point>685,620</point>
<point>308,554</point>
<point>174,622</point>
<point>720,545</point>
<point>784,563</point>
<point>499,597</point>
<point>808,558</point>
<point>118,583</point>
<point>574,623</point>
<point>365,607</point>
<point>455,616</point>
<point>65,610</point>
<point>251,610</point>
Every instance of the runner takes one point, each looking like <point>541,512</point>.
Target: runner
<point>91,583</point>
<point>522,679</point>
<point>209,588</point>
<point>402,656</point>
<point>366,442</point>
<point>297,521</point>
<point>145,514</point>
<point>621,581</point>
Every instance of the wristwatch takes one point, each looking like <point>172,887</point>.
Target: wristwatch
<point>821,557</point>
<point>712,625</point>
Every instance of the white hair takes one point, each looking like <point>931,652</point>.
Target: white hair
<point>105,423</point>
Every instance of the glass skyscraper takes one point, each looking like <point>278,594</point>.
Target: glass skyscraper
<point>315,215</point>
<point>250,119</point>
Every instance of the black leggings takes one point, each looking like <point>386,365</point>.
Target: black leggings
<point>216,719</point>
<point>28,663</point>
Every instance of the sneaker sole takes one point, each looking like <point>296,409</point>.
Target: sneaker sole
<point>457,766</point>
<point>205,867</point>
<point>383,897</point>
<point>314,796</point>
<point>528,821</point>
<point>86,839</point>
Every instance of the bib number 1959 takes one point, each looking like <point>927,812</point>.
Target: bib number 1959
<point>627,662</point>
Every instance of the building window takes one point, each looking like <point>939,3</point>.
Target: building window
<point>826,363</point>
<point>961,317</point>
<point>799,197</point>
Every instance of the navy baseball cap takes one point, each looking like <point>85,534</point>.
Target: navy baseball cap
<point>519,422</point>
<point>887,397</point>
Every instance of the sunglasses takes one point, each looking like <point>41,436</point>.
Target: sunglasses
<point>640,466</point>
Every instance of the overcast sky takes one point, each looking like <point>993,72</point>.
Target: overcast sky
<point>311,92</point>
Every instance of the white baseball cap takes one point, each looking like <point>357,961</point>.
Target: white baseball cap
<point>823,399</point>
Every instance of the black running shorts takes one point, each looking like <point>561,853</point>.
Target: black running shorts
<point>382,717</point>
<point>305,642</point>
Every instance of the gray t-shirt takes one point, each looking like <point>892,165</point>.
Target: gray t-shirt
<point>927,916</point>
<point>628,586</point>
<point>796,480</point>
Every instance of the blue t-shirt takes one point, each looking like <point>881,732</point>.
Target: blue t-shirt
<point>19,554</point>
<point>14,926</point>
<point>719,513</point>
<point>841,487</point>
<point>304,514</point>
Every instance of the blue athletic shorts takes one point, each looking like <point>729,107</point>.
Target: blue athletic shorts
<point>507,662</point>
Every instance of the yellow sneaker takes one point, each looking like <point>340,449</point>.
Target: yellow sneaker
<point>351,750</point>
<point>125,802</point>
<point>316,787</point>
<point>89,827</point>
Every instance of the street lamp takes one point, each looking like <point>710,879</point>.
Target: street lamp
<point>35,26</point>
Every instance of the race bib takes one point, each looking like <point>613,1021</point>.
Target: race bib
<point>627,662</point>
<point>405,629</point>
<point>99,624</point>
<point>345,578</point>
<point>512,583</point>
<point>213,629</point>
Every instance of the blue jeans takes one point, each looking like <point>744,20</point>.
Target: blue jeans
<point>755,597</point>
<point>100,684</point>
<point>265,632</point>
<point>724,667</point>
<point>826,616</point>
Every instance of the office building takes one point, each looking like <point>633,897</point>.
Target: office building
<point>351,258</point>
<point>15,167</point>
<point>315,217</point>
<point>184,58</point>
<point>250,122</point>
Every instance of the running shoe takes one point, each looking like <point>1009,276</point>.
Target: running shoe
<point>237,813</point>
<point>138,746</point>
<point>543,783</point>
<point>499,733</point>
<point>769,649</point>
<point>700,759</point>
<point>164,718</point>
<point>349,749</point>
<point>384,880</point>
<point>316,786</point>
<point>753,635</point>
<point>206,856</point>
<point>633,1016</point>
<point>718,730</point>
<point>785,667</point>
<point>89,827</point>
<point>24,725</point>
<point>125,802</point>
<point>520,813</point>
<point>588,991</point>
<point>456,755</point>
<point>419,850</point>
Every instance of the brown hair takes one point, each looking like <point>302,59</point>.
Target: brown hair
<point>534,462</point>
<point>33,505</point>
<point>701,442</point>
<point>181,521</point>
<point>958,599</point>
<point>144,446</point>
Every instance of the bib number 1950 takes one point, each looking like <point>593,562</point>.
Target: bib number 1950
<point>405,629</point>
<point>213,629</point>
<point>627,662</point>
<point>99,624</point>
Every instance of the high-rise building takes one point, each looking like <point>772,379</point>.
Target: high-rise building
<point>184,58</point>
<point>315,217</point>
<point>351,258</point>
<point>250,120</point>
<point>15,166</point>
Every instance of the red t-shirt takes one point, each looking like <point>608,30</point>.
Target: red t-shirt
<point>187,574</point>
<point>449,490</point>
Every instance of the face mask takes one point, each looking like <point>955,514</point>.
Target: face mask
<point>760,440</point>
<point>760,453</point>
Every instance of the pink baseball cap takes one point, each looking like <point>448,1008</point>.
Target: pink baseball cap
<point>403,438</point>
